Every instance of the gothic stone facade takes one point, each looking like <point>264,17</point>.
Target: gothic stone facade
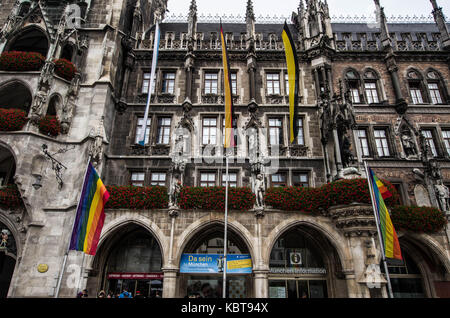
<point>376,93</point>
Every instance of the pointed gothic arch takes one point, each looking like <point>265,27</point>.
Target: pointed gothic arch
<point>29,39</point>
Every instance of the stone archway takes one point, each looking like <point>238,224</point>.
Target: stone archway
<point>129,257</point>
<point>203,241</point>
<point>323,260</point>
<point>15,95</point>
<point>8,257</point>
<point>31,39</point>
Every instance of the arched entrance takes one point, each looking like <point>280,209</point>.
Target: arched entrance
<point>130,260</point>
<point>303,264</point>
<point>15,95</point>
<point>7,167</point>
<point>31,39</point>
<point>421,274</point>
<point>201,265</point>
<point>8,254</point>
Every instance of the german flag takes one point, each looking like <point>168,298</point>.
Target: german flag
<point>229,134</point>
<point>293,73</point>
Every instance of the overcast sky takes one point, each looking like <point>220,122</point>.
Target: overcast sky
<point>285,7</point>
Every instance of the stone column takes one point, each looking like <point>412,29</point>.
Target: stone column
<point>260,269</point>
<point>170,282</point>
<point>261,283</point>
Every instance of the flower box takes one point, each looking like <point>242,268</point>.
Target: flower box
<point>65,69</point>
<point>213,199</point>
<point>137,198</point>
<point>21,61</point>
<point>50,126</point>
<point>418,219</point>
<point>12,119</point>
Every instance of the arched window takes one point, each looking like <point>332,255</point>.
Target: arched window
<point>29,40</point>
<point>54,105</point>
<point>7,167</point>
<point>273,42</point>
<point>354,85</point>
<point>436,88</point>
<point>416,87</point>
<point>371,87</point>
<point>67,52</point>
<point>15,95</point>
<point>24,8</point>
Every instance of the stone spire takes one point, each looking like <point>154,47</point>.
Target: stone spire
<point>440,21</point>
<point>250,19</point>
<point>192,20</point>
<point>381,18</point>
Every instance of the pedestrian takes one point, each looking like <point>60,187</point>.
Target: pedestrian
<point>101,294</point>
<point>83,294</point>
<point>139,295</point>
<point>125,294</point>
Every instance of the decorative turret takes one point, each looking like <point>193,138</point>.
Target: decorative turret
<point>314,23</point>
<point>381,19</point>
<point>440,21</point>
<point>192,20</point>
<point>250,20</point>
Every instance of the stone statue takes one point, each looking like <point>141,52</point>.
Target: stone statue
<point>174,191</point>
<point>38,103</point>
<point>408,144</point>
<point>347,156</point>
<point>259,191</point>
<point>443,195</point>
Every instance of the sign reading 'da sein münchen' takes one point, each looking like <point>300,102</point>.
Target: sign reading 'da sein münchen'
<point>214,264</point>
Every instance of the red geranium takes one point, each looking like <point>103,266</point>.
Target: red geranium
<point>50,126</point>
<point>65,69</point>
<point>10,197</point>
<point>21,61</point>
<point>12,119</point>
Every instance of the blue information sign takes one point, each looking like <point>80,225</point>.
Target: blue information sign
<point>213,264</point>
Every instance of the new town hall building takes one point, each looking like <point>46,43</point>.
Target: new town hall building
<point>375,92</point>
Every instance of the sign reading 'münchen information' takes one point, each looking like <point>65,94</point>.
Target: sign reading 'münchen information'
<point>310,271</point>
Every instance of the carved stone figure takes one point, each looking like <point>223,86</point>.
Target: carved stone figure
<point>174,191</point>
<point>443,195</point>
<point>347,156</point>
<point>408,144</point>
<point>38,103</point>
<point>259,191</point>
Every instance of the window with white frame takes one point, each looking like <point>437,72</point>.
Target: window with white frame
<point>382,143</point>
<point>168,86</point>
<point>446,137</point>
<point>146,83</point>
<point>207,179</point>
<point>273,83</point>
<point>363,142</point>
<point>211,82</point>
<point>300,179</point>
<point>140,127</point>
<point>164,127</point>
<point>137,179</point>
<point>301,133</point>
<point>435,93</point>
<point>429,138</point>
<point>371,92</point>
<point>158,179</point>
<point>232,180</point>
<point>275,131</point>
<point>209,132</point>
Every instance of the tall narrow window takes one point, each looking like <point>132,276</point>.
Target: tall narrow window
<point>435,93</point>
<point>207,179</point>
<point>169,83</point>
<point>232,180</point>
<point>234,83</point>
<point>429,138</point>
<point>211,83</point>
<point>446,135</point>
<point>353,82</point>
<point>382,143</point>
<point>209,131</point>
<point>279,180</point>
<point>416,93</point>
<point>273,83</point>
<point>164,125</point>
<point>158,179</point>
<point>363,142</point>
<point>139,127</point>
<point>137,179</point>
<point>275,131</point>
<point>301,133</point>
<point>300,179</point>
<point>146,84</point>
<point>371,92</point>
<point>286,84</point>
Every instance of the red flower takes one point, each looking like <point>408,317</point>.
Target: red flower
<point>50,126</point>
<point>65,69</point>
<point>21,61</point>
<point>12,119</point>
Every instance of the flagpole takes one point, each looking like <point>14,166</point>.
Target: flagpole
<point>66,255</point>
<point>383,253</point>
<point>226,230</point>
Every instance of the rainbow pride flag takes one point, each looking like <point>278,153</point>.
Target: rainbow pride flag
<point>388,234</point>
<point>90,214</point>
